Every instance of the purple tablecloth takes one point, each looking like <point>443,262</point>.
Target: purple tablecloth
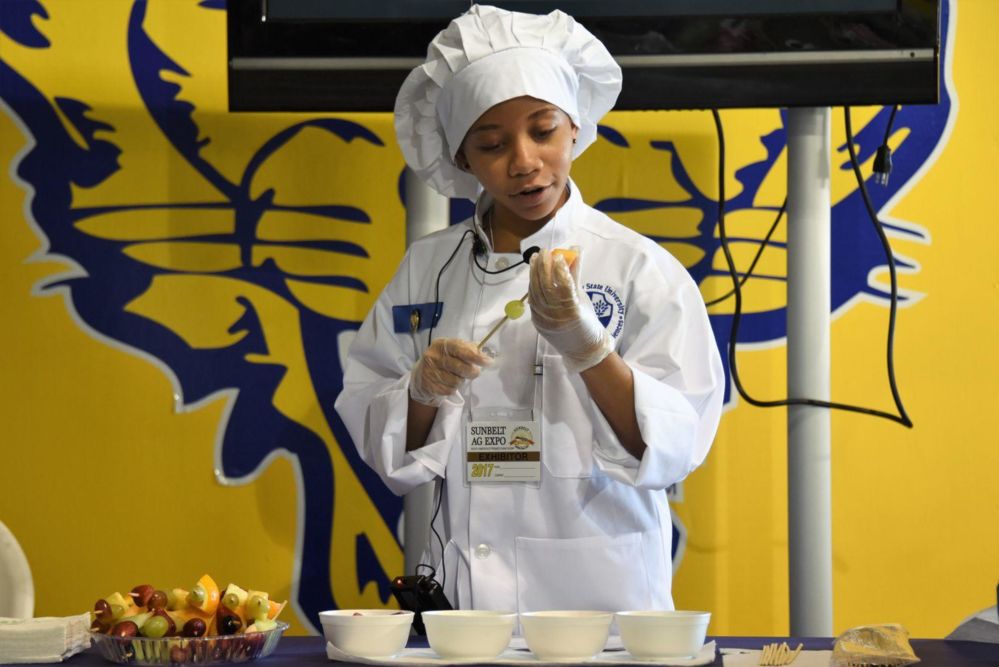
<point>293,651</point>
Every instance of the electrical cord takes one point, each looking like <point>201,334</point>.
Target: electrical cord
<point>882,159</point>
<point>891,122</point>
<point>902,417</point>
<point>756,258</point>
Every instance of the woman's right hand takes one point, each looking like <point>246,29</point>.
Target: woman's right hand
<point>444,366</point>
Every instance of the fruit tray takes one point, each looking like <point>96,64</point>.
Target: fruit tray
<point>188,650</point>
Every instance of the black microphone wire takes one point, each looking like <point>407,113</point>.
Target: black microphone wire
<point>439,487</point>
<point>433,323</point>
<point>430,333</point>
<point>437,286</point>
<point>526,255</point>
<point>902,417</point>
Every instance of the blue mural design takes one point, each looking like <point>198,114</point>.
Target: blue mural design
<point>111,280</point>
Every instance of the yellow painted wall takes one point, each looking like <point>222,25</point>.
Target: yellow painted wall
<point>106,485</point>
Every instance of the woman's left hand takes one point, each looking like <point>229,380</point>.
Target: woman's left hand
<point>563,315</point>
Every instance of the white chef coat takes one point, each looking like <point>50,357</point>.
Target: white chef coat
<point>596,532</point>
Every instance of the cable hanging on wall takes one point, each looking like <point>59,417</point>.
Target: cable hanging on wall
<point>882,167</point>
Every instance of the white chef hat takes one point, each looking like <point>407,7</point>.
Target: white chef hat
<point>487,56</point>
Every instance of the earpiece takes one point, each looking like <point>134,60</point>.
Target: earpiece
<point>531,252</point>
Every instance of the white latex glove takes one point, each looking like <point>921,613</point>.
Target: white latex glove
<point>563,314</point>
<point>444,366</point>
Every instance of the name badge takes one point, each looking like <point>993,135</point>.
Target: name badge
<point>502,451</point>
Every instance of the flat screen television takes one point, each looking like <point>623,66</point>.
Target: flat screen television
<point>352,55</point>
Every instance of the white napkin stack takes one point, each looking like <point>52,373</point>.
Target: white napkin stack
<point>48,639</point>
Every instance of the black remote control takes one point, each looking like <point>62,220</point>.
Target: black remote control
<point>419,593</point>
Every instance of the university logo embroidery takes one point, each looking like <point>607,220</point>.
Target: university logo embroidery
<point>608,307</point>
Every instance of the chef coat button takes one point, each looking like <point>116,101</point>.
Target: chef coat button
<point>482,551</point>
<point>502,263</point>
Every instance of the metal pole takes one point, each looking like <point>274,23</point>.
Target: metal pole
<point>808,317</point>
<point>426,212</point>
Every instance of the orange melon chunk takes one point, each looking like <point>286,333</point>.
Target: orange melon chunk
<point>569,255</point>
<point>211,601</point>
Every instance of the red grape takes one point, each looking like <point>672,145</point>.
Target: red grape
<point>229,624</point>
<point>103,610</point>
<point>141,594</point>
<point>158,600</point>
<point>195,627</point>
<point>125,629</point>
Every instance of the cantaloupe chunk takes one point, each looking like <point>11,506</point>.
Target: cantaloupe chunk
<point>275,609</point>
<point>569,255</point>
<point>211,601</point>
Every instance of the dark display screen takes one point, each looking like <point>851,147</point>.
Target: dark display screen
<point>352,55</point>
<point>444,9</point>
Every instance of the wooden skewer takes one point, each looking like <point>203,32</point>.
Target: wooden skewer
<point>497,327</point>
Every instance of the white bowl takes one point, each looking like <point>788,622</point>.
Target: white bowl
<point>469,634</point>
<point>367,633</point>
<point>663,634</point>
<point>566,635</point>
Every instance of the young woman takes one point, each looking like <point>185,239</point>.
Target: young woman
<point>556,437</point>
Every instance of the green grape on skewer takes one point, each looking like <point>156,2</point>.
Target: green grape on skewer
<point>513,310</point>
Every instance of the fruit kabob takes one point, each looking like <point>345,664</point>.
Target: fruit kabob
<point>201,611</point>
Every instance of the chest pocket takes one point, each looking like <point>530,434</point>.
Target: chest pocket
<point>598,572</point>
<point>567,445</point>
